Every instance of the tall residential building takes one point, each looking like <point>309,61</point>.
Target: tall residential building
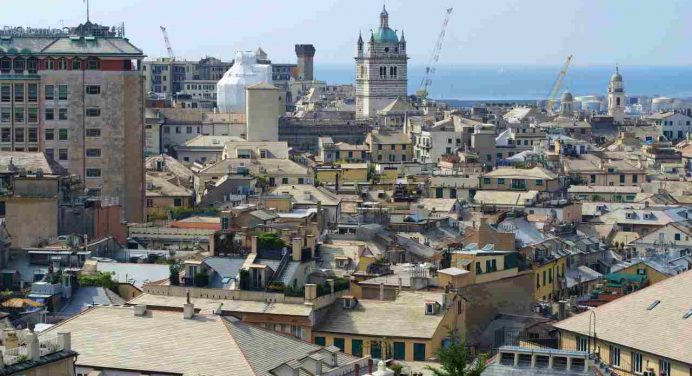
<point>616,97</point>
<point>77,95</point>
<point>381,71</point>
<point>165,77</point>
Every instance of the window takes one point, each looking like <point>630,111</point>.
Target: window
<point>93,64</point>
<point>62,114</point>
<point>538,281</point>
<point>403,147</point>
<point>419,352</point>
<point>399,350</point>
<point>19,92</point>
<point>76,64</point>
<point>62,64</point>
<point>177,202</point>
<point>93,89</point>
<point>177,130</point>
<point>622,179</point>
<point>62,154</point>
<point>32,113</point>
<point>592,179</point>
<point>6,135</point>
<point>150,203</point>
<point>93,172</point>
<point>486,180</point>
<point>5,115</point>
<point>19,135</point>
<point>50,92</point>
<point>50,134</point>
<point>93,112</point>
<point>393,147</point>
<point>320,341</point>
<point>301,181</point>
<point>636,362</point>
<point>339,342</point>
<point>93,153</point>
<point>90,132</point>
<point>357,347</point>
<point>62,92</point>
<point>582,343</point>
<point>635,178</point>
<point>62,134</point>
<point>166,130</point>
<point>33,134</point>
<point>5,93</point>
<point>50,153</point>
<point>18,114</point>
<point>663,367</point>
<point>18,65</point>
<point>49,114</point>
<point>478,268</point>
<point>539,181</point>
<point>500,181</point>
<point>33,93</point>
<point>284,180</point>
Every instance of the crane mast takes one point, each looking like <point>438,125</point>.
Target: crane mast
<point>434,57</point>
<point>168,43</point>
<point>556,87</point>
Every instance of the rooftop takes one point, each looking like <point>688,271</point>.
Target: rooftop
<point>627,321</point>
<point>532,173</point>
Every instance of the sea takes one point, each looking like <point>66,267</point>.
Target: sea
<point>466,84</point>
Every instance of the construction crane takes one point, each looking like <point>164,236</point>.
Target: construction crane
<point>168,43</point>
<point>430,67</point>
<point>556,87</point>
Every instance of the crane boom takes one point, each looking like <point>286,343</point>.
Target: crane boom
<point>426,82</point>
<point>556,87</point>
<point>168,43</point>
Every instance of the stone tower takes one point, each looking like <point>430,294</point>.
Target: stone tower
<point>566,104</point>
<point>305,53</point>
<point>616,97</point>
<point>381,69</point>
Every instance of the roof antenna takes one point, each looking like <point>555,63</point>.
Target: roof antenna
<point>87,4</point>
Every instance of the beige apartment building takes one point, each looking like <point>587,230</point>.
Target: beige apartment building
<point>533,179</point>
<point>389,147</point>
<point>77,95</point>
<point>597,171</point>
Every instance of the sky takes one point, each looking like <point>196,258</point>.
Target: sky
<point>488,32</point>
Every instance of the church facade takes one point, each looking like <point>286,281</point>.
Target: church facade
<point>381,69</point>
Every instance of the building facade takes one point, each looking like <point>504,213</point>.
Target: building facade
<point>381,71</point>
<point>77,95</point>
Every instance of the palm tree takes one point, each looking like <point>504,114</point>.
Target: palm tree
<point>456,360</point>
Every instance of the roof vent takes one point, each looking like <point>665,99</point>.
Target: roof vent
<point>687,315</point>
<point>653,305</point>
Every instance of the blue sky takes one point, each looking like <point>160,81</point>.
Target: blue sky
<point>497,32</point>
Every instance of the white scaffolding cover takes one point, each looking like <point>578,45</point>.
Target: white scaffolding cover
<point>230,90</point>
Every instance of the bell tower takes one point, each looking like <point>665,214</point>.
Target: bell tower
<point>616,97</point>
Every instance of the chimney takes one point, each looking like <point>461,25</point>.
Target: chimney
<point>301,230</point>
<point>297,249</point>
<point>401,284</point>
<point>33,348</point>
<point>140,310</point>
<point>381,290</point>
<point>188,310</point>
<point>331,286</point>
<point>312,244</point>
<point>562,310</point>
<point>65,340</point>
<point>310,292</point>
<point>253,246</point>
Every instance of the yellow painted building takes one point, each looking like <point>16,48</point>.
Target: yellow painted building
<point>486,264</point>
<point>647,331</point>
<point>345,173</point>
<point>411,327</point>
<point>548,278</point>
<point>641,268</point>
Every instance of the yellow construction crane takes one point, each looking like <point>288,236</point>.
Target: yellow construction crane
<point>434,57</point>
<point>556,87</point>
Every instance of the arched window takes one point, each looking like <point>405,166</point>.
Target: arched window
<point>5,65</point>
<point>32,65</point>
<point>19,65</point>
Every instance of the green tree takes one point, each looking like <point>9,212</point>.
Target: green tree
<point>174,274</point>
<point>457,360</point>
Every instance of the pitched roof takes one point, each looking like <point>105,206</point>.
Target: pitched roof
<point>531,173</point>
<point>397,105</point>
<point>403,317</point>
<point>660,331</point>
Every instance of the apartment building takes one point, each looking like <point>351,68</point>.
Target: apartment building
<point>389,147</point>
<point>597,171</point>
<point>643,333</point>
<point>63,92</point>
<point>534,179</point>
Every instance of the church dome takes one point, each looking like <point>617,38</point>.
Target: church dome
<point>567,97</point>
<point>616,77</point>
<point>385,35</point>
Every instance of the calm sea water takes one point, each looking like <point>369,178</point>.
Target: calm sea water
<point>532,82</point>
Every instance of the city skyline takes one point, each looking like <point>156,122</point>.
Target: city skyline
<point>643,33</point>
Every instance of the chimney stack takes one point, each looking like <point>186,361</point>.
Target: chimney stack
<point>381,290</point>
<point>140,310</point>
<point>331,286</point>
<point>562,310</point>
<point>297,249</point>
<point>65,340</point>
<point>253,246</point>
<point>312,244</point>
<point>33,348</point>
<point>188,311</point>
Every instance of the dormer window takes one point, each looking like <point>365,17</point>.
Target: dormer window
<point>631,215</point>
<point>431,308</point>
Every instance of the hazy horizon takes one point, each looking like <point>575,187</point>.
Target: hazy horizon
<point>510,32</point>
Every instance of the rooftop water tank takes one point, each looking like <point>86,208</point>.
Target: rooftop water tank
<point>230,90</point>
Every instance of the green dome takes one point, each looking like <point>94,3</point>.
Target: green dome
<point>385,35</point>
